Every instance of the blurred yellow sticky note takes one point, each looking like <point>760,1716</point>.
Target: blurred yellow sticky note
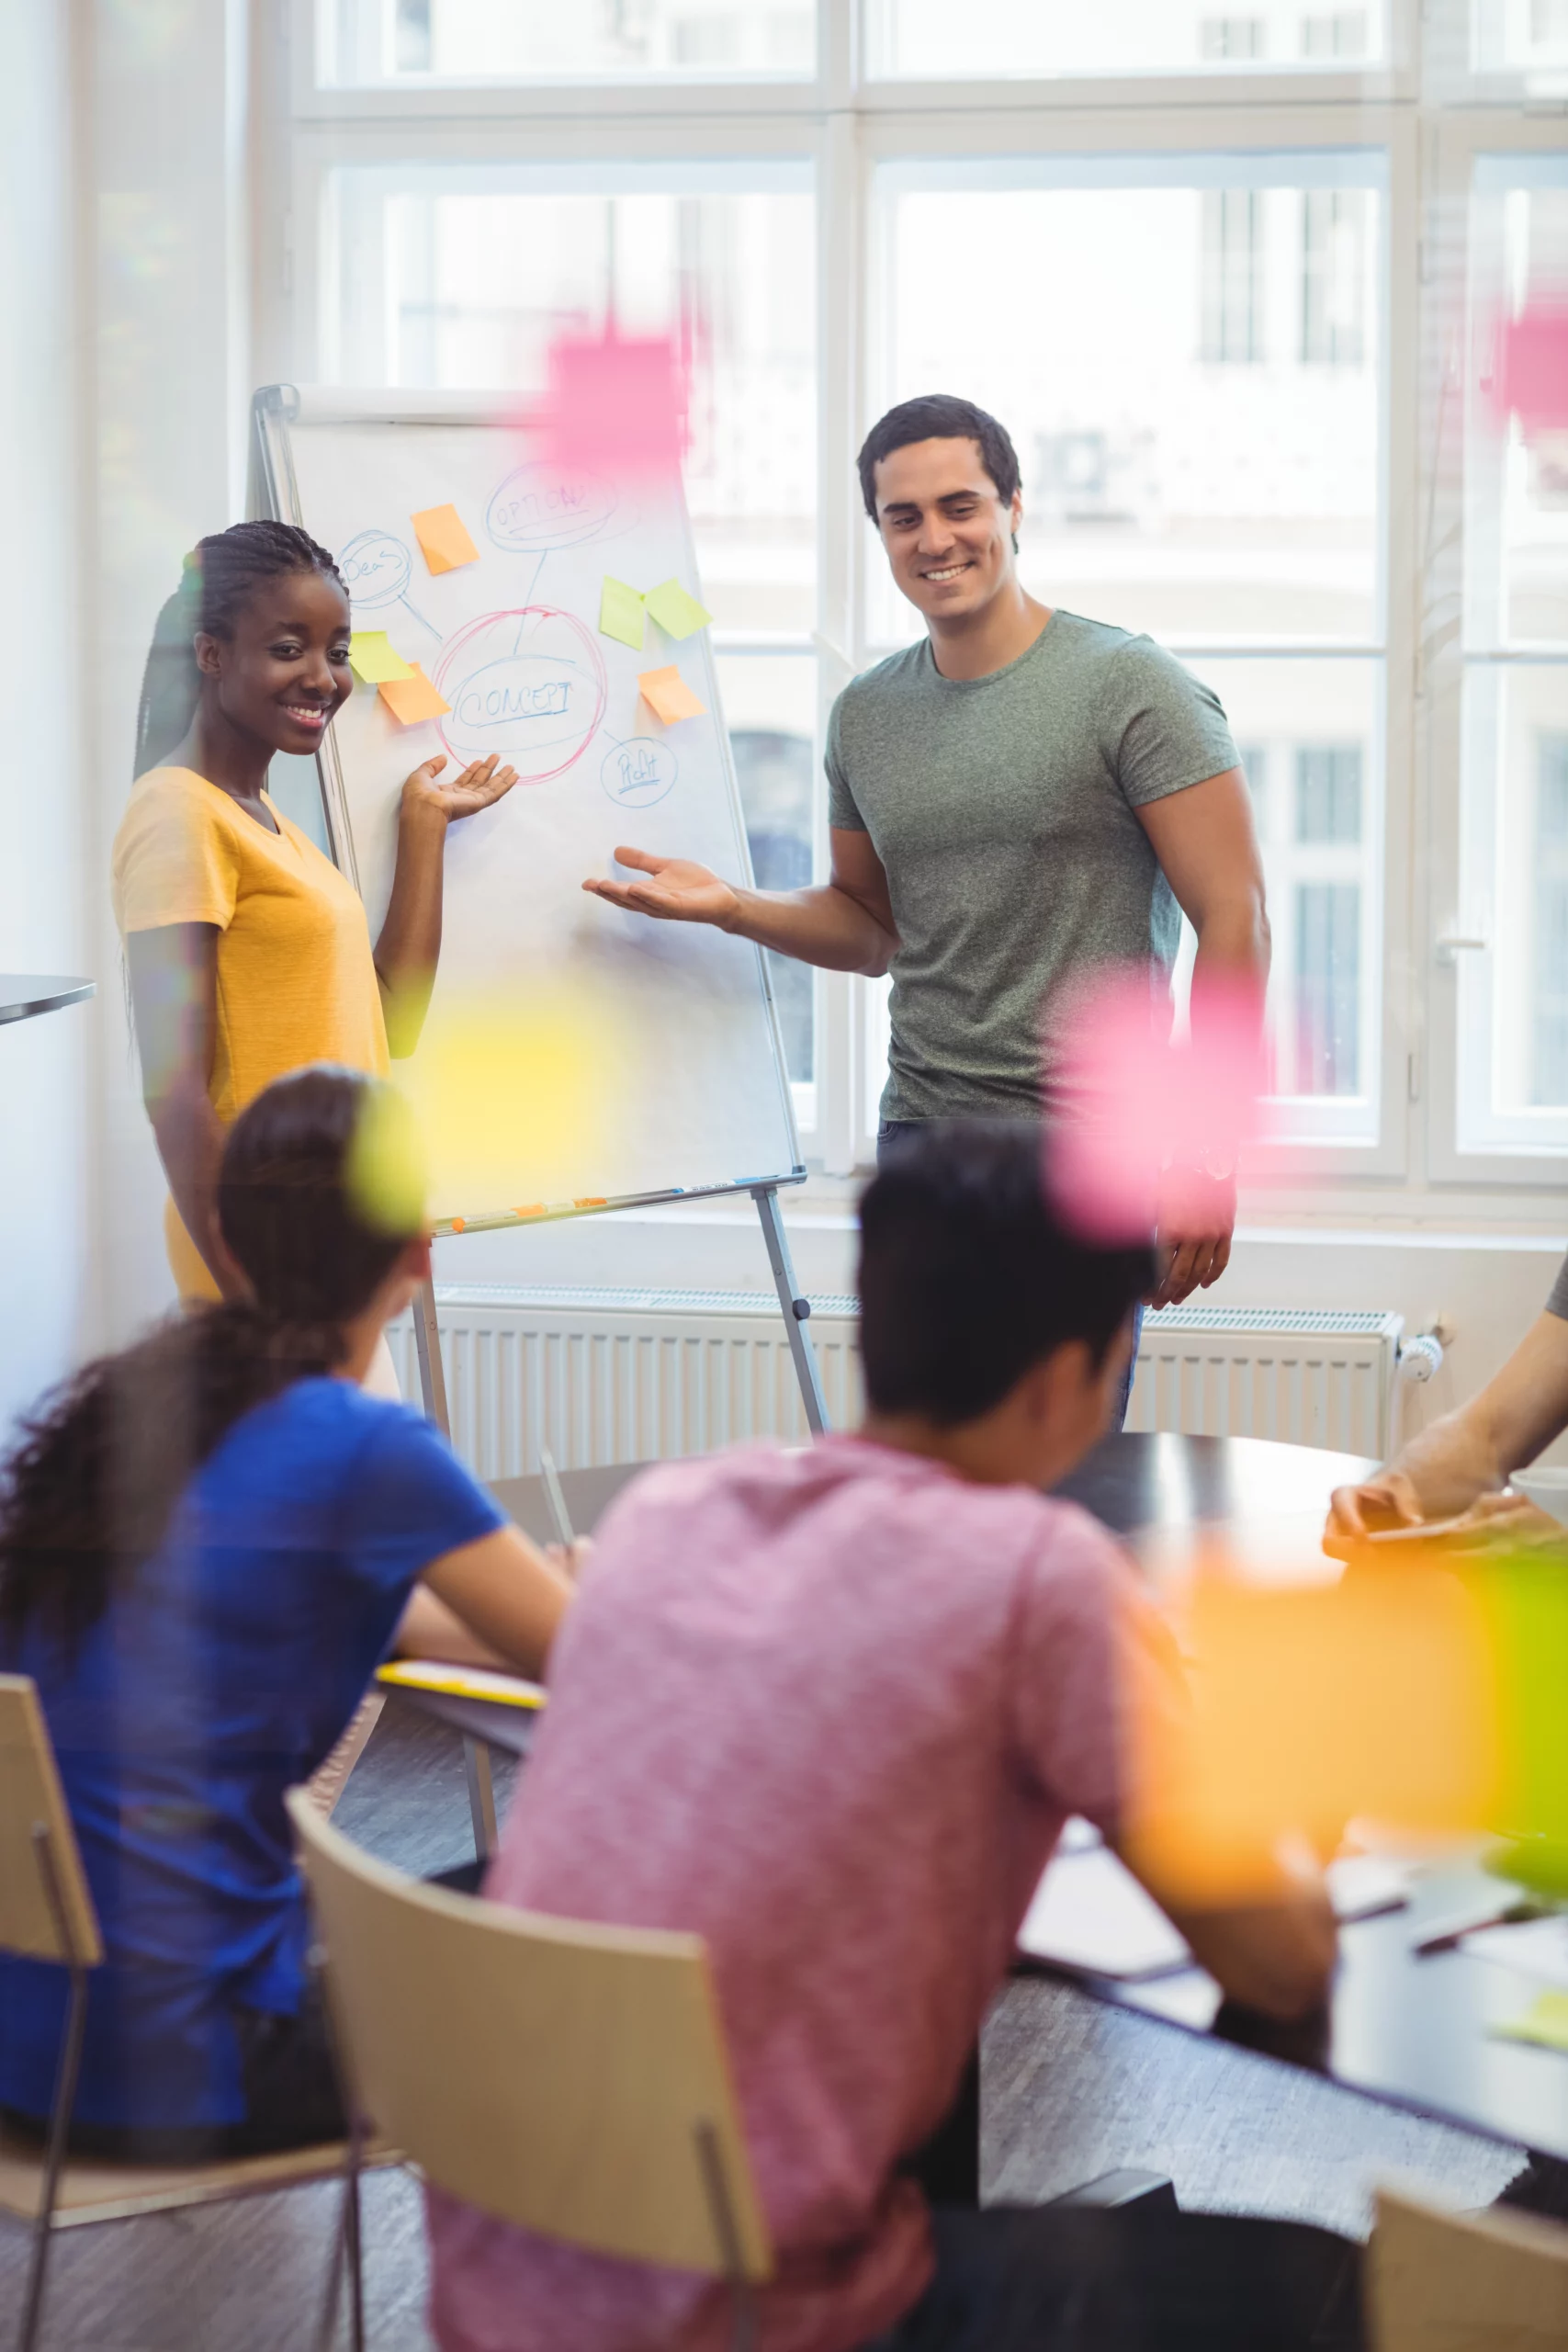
<point>620,613</point>
<point>411,698</point>
<point>669,696</point>
<point>1545,2021</point>
<point>444,542</point>
<point>677,614</point>
<point>374,658</point>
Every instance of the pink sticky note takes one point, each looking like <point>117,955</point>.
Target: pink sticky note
<point>1531,380</point>
<point>616,405</point>
<point>669,696</point>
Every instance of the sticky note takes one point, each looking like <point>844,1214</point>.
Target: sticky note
<point>677,614</point>
<point>669,696</point>
<point>411,698</point>
<point>1545,2022</point>
<point>444,542</point>
<point>374,658</point>
<point>620,613</point>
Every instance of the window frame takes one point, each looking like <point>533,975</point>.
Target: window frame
<point>842,124</point>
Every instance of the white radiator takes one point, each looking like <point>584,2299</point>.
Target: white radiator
<point>1312,1376</point>
<point>642,1376</point>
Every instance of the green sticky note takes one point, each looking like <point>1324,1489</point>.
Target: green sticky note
<point>677,614</point>
<point>1544,2023</point>
<point>374,658</point>
<point>620,613</point>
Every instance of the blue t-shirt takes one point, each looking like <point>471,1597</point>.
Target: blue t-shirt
<point>221,1675</point>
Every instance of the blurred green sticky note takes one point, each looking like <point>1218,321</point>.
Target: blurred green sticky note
<point>620,613</point>
<point>677,614</point>
<point>374,658</point>
<point>1545,2022</point>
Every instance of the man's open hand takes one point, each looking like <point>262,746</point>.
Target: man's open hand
<point>676,890</point>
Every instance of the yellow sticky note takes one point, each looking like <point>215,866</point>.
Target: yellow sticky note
<point>374,658</point>
<point>411,698</point>
<point>677,614</point>
<point>444,542</point>
<point>669,696</point>
<point>1545,2021</point>
<point>620,613</point>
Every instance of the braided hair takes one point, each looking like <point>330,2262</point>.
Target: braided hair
<point>89,1492</point>
<point>221,575</point>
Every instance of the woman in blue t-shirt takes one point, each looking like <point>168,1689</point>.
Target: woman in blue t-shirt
<point>206,1545</point>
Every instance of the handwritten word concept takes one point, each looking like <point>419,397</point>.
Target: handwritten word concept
<point>528,686</point>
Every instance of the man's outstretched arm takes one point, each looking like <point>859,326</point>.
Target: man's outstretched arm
<point>844,924</point>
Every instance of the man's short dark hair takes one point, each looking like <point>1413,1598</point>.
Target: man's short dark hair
<point>939,416</point>
<point>967,1275</point>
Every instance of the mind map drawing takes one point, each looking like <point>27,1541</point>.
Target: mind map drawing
<point>376,568</point>
<point>638,772</point>
<point>528,685</point>
<point>538,506</point>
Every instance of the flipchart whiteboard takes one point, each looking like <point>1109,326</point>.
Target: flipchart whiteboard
<point>678,1081</point>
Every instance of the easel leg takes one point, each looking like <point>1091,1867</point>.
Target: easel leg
<point>432,1372</point>
<point>795,1308</point>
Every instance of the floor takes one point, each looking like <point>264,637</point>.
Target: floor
<point>1069,2089</point>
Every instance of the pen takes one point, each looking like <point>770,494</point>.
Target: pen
<point>1446,1938</point>
<point>556,1499</point>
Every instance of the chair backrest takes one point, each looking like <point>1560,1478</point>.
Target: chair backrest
<point>1448,2282</point>
<point>567,2077</point>
<point>44,1924</point>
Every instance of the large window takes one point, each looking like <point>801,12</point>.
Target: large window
<point>1265,293</point>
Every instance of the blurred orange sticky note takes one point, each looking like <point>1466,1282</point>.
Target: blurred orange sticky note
<point>669,696</point>
<point>411,698</point>
<point>444,542</point>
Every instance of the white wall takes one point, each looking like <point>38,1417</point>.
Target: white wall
<point>44,1196</point>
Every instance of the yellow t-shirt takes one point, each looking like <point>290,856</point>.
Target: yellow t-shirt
<point>296,979</point>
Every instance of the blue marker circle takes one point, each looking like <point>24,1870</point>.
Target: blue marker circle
<point>374,567</point>
<point>638,773</point>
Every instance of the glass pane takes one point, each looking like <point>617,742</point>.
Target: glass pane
<point>770,707</point>
<point>510,41</point>
<point>1514,984</point>
<point>1529,36</point>
<point>933,40</point>
<point>461,279</point>
<point>1206,463</point>
<point>1516,467</point>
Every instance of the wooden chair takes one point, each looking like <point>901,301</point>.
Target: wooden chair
<point>1472,2282</point>
<point>571,2078</point>
<point>46,1913</point>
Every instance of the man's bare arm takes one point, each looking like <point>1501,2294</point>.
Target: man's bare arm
<point>1208,850</point>
<point>843,925</point>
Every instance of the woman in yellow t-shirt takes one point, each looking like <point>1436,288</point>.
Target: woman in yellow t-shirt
<point>248,953</point>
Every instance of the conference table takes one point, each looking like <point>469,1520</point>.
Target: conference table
<point>1413,2032</point>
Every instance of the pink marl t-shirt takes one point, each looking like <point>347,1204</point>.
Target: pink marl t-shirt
<point>830,1709</point>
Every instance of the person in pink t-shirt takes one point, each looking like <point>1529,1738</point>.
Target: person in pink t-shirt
<point>830,1709</point>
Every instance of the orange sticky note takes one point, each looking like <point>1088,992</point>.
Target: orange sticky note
<point>669,696</point>
<point>411,698</point>
<point>444,542</point>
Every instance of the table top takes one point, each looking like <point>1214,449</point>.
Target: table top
<point>24,994</point>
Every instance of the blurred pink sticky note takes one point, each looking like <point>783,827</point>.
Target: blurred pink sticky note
<point>615,405</point>
<point>1531,381</point>
<point>1147,1126</point>
<point>669,696</point>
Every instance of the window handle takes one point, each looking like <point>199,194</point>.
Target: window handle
<point>1451,945</point>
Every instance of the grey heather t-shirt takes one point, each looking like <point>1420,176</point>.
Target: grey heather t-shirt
<point>1558,1303</point>
<point>1001,808</point>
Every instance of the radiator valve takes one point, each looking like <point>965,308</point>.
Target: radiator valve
<point>1419,1357</point>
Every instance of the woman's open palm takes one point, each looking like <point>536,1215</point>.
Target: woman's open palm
<point>676,889</point>
<point>480,784</point>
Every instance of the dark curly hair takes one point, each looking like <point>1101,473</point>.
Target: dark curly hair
<point>939,416</point>
<point>88,1494</point>
<point>221,575</point>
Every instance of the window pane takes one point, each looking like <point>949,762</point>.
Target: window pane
<point>461,279</point>
<point>1526,37</point>
<point>493,41</point>
<point>1002,38</point>
<point>1206,463</point>
<point>1517,469</point>
<point>1514,986</point>
<point>770,706</point>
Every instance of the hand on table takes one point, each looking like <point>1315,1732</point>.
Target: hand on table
<point>677,891</point>
<point>479,786</point>
<point>1388,1502</point>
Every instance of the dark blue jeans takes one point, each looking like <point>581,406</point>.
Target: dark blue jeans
<point>890,1133</point>
<point>1134,2278</point>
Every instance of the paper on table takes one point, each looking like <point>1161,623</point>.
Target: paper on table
<point>442,539</point>
<point>461,1682</point>
<point>669,696</point>
<point>620,613</point>
<point>374,658</point>
<point>1545,2021</point>
<point>1535,1947</point>
<point>677,613</point>
<point>411,698</point>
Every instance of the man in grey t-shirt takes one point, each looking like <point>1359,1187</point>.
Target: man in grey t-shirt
<point>1021,798</point>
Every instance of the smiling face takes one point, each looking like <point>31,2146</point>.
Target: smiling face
<point>947,530</point>
<point>285,671</point>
